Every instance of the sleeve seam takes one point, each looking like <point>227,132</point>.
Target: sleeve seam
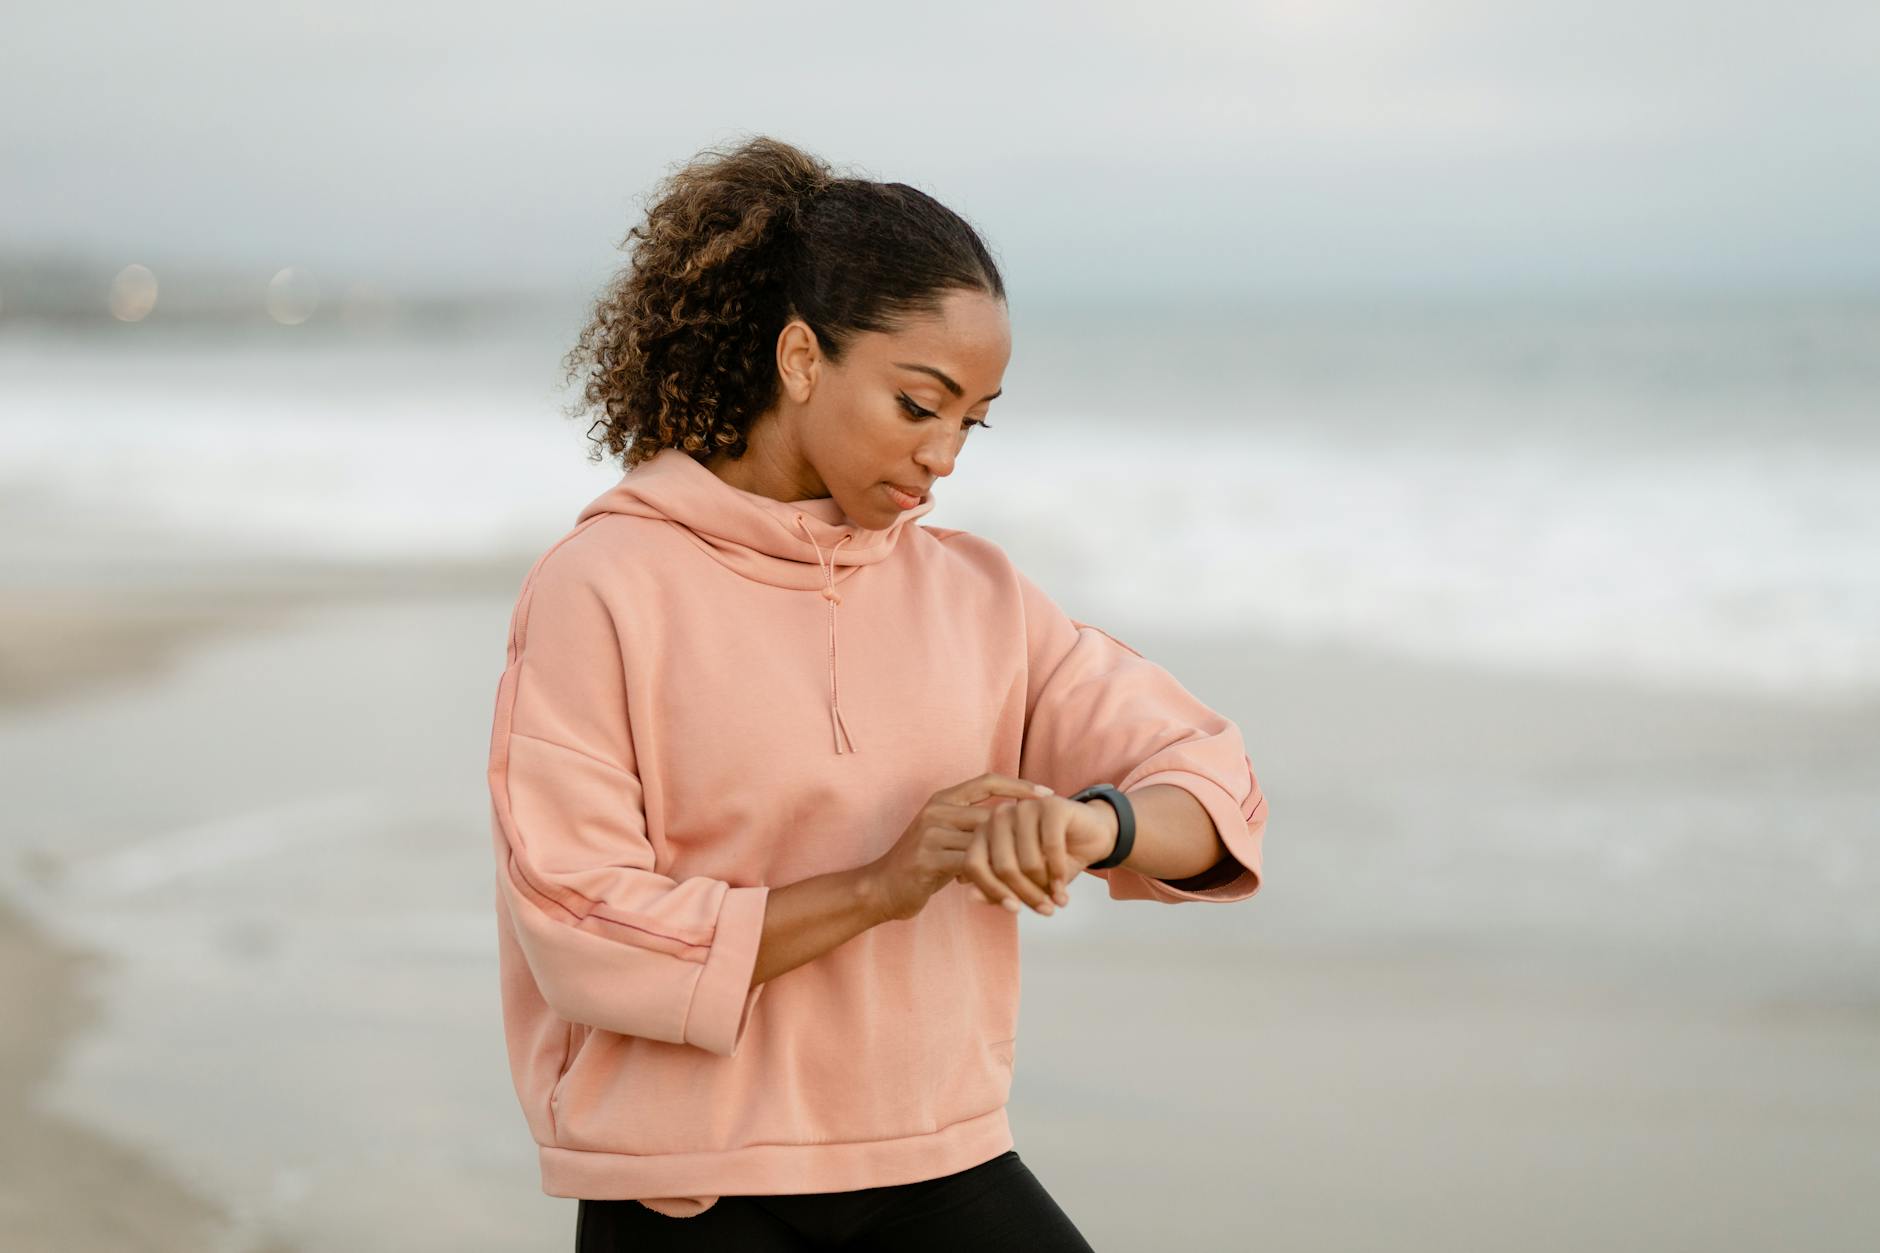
<point>569,748</point>
<point>597,910</point>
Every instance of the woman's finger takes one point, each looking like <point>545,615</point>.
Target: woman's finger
<point>1028,843</point>
<point>976,869</point>
<point>1053,837</point>
<point>964,879</point>
<point>1002,851</point>
<point>965,817</point>
<point>989,785</point>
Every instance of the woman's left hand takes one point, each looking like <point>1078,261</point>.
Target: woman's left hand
<point>1031,848</point>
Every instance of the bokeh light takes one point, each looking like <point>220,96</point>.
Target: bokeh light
<point>293,295</point>
<point>133,293</point>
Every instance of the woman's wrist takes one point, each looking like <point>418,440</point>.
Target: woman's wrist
<point>1113,826</point>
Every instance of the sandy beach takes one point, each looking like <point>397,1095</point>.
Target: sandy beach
<point>64,1185</point>
<point>249,926</point>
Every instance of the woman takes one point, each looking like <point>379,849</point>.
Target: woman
<point>768,757</point>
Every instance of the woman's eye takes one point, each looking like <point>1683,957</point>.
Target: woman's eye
<point>915,410</point>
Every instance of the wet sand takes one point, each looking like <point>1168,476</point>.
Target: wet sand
<point>58,639</point>
<point>285,1051</point>
<point>64,1185</point>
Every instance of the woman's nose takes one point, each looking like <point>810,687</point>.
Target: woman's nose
<point>937,456</point>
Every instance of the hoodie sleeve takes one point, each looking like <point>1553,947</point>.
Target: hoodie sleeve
<point>611,942</point>
<point>1098,711</point>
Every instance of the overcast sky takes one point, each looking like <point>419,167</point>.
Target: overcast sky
<point>1309,146</point>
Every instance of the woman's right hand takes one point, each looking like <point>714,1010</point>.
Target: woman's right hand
<point>931,853</point>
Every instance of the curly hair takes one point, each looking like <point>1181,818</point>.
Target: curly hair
<point>681,349</point>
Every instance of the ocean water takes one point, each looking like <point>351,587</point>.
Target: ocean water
<point>1676,495</point>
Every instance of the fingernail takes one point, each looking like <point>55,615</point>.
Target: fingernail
<point>1063,898</point>
<point>1011,903</point>
<point>1047,909</point>
<point>1041,789</point>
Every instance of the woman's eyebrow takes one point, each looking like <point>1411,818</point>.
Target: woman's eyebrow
<point>946,382</point>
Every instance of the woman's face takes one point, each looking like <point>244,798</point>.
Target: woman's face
<point>896,410</point>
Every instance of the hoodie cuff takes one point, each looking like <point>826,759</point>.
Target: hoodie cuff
<point>724,997</point>
<point>1236,832</point>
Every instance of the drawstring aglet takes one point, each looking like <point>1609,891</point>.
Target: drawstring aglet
<point>844,744</point>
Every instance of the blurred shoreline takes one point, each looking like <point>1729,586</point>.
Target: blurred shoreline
<point>55,1172</point>
<point>1686,496</point>
<point>63,636</point>
<point>64,641</point>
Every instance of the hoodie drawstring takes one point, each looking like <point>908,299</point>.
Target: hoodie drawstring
<point>834,598</point>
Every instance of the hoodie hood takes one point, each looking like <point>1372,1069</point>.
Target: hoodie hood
<point>809,545</point>
<point>786,543</point>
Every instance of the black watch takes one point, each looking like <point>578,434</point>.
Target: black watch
<point>1125,822</point>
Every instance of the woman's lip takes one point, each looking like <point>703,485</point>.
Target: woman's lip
<point>911,498</point>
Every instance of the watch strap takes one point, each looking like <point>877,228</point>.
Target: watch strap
<point>1125,822</point>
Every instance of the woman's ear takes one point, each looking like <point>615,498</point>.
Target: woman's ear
<point>799,359</point>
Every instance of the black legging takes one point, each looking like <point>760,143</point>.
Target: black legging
<point>995,1206</point>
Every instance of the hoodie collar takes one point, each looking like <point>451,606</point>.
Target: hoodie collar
<point>781,542</point>
<point>798,544</point>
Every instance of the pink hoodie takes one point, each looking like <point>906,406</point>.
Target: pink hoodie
<point>680,727</point>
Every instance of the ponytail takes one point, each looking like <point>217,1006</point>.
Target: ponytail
<point>681,349</point>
